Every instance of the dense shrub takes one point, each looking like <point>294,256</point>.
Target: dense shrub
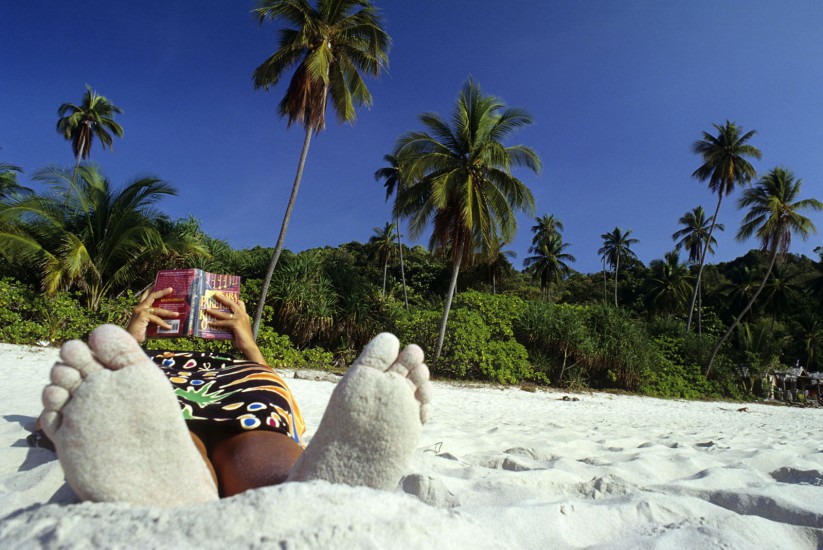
<point>28,316</point>
<point>476,346</point>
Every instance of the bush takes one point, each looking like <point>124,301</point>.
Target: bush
<point>475,346</point>
<point>556,337</point>
<point>28,317</point>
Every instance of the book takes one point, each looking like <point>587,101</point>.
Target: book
<point>194,291</point>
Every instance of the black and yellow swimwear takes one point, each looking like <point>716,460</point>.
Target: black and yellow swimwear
<point>232,393</point>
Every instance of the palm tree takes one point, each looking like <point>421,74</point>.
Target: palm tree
<point>545,227</point>
<point>459,177</point>
<point>781,293</point>
<point>549,262</point>
<point>617,246</point>
<point>8,180</point>
<point>80,124</point>
<point>382,244</point>
<point>809,331</point>
<point>693,235</point>
<point>669,284</point>
<point>391,175</point>
<point>724,166</point>
<point>497,261</point>
<point>331,46</point>
<point>773,216</point>
<point>105,239</point>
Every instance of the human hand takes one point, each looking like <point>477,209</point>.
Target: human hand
<point>144,313</point>
<point>239,323</point>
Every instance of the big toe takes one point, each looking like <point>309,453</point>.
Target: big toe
<point>409,360</point>
<point>380,353</point>
<point>115,347</point>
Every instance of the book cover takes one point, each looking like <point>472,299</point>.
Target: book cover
<point>193,292</point>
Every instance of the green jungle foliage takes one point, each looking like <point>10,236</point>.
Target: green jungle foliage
<point>324,304</point>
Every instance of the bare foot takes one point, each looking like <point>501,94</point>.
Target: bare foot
<point>117,426</point>
<point>373,421</point>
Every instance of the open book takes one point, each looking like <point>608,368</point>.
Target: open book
<point>194,291</point>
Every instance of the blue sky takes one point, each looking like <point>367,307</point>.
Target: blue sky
<point>618,90</point>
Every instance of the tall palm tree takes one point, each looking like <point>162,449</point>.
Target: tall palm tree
<point>331,45</point>
<point>382,245</point>
<point>669,288</point>
<point>616,247</point>
<point>391,176</point>
<point>773,216</point>
<point>724,166</point>
<point>549,262</point>
<point>692,236</point>
<point>103,241</point>
<point>459,177</point>
<point>80,124</point>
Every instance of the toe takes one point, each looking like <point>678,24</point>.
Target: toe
<point>424,393</point>
<point>419,375</point>
<point>115,347</point>
<point>425,413</point>
<point>65,376</point>
<point>50,422</point>
<point>77,354</point>
<point>380,353</point>
<point>55,397</point>
<point>409,360</point>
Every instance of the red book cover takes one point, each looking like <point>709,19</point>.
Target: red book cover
<point>193,292</point>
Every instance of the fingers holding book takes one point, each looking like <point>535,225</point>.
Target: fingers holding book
<point>144,313</point>
<point>237,321</point>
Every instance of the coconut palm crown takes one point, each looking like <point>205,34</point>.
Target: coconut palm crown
<point>93,118</point>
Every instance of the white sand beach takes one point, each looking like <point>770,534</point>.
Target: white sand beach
<point>495,468</point>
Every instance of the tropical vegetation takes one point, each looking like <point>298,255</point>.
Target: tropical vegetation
<point>458,177</point>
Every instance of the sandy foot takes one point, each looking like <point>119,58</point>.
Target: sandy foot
<point>117,426</point>
<point>373,420</point>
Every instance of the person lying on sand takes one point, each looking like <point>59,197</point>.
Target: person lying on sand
<point>114,416</point>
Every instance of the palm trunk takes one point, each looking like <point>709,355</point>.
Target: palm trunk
<point>452,285</point>
<point>616,268</point>
<point>605,298</point>
<point>74,173</point>
<point>278,248</point>
<point>702,260</point>
<point>385,270</point>
<point>494,284</point>
<point>699,311</point>
<point>402,269</point>
<point>742,313</point>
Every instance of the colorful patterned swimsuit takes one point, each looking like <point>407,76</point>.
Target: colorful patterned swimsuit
<point>212,387</point>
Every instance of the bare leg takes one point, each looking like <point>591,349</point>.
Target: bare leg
<point>252,459</point>
<point>117,427</point>
<point>373,421</point>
